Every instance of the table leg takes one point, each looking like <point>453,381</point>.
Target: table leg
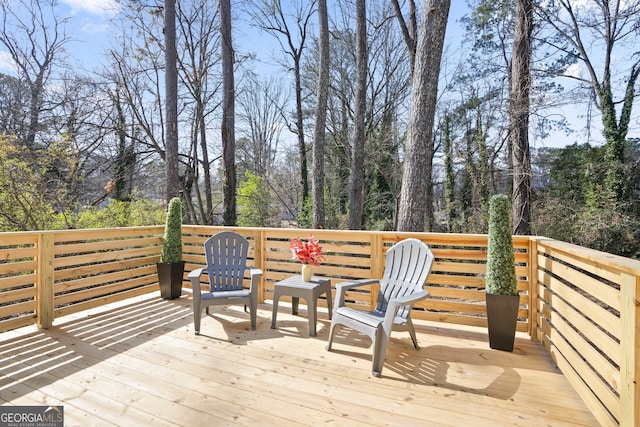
<point>274,313</point>
<point>294,305</point>
<point>329,303</point>
<point>313,313</point>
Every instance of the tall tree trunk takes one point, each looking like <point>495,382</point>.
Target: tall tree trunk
<point>171,101</point>
<point>228,112</point>
<point>357,150</point>
<point>482,177</point>
<point>616,133</point>
<point>302,146</point>
<point>519,117</point>
<point>125,159</point>
<point>321,118</point>
<point>449,178</point>
<point>208,217</point>
<point>416,198</point>
<point>408,31</point>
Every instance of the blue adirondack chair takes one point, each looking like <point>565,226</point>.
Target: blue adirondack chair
<point>226,258</point>
<point>406,269</point>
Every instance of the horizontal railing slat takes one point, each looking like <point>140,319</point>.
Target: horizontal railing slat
<point>106,245</point>
<point>598,314</point>
<point>23,279</point>
<point>596,406</point>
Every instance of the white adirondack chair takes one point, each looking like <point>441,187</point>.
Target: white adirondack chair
<point>406,269</point>
<point>226,257</point>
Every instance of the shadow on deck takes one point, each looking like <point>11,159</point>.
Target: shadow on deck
<point>139,363</point>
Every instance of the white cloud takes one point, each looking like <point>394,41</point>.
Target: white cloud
<point>574,70</point>
<point>7,65</point>
<point>95,28</point>
<point>94,7</point>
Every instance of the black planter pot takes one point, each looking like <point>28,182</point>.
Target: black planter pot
<point>502,314</point>
<point>170,276</point>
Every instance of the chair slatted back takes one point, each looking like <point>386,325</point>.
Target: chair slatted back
<point>406,269</point>
<point>226,254</point>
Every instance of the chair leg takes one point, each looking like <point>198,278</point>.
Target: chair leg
<point>379,350</point>
<point>196,319</point>
<point>331,329</point>
<point>252,314</point>
<point>380,345</point>
<point>412,332</point>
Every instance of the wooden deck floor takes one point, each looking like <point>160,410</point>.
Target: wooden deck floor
<point>138,363</point>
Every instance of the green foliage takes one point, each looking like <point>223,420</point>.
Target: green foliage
<point>449,178</point>
<point>501,270</point>
<point>126,157</point>
<point>488,23</point>
<point>254,202</point>
<point>553,217</point>
<point>580,206</point>
<point>615,135</point>
<point>27,197</point>
<point>380,205</point>
<point>334,218</point>
<point>115,214</point>
<point>305,214</point>
<point>172,243</point>
<point>383,175</point>
<point>33,195</point>
<point>605,227</point>
<point>573,170</point>
<point>608,229</point>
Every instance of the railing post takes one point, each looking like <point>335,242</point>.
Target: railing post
<point>630,346</point>
<point>533,288</point>
<point>44,281</point>
<point>377,267</point>
<point>259,259</point>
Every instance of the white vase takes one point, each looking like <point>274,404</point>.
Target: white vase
<point>306,272</point>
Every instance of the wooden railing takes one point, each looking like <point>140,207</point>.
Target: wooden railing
<point>44,275</point>
<point>456,282</point>
<point>582,305</point>
<point>588,318</point>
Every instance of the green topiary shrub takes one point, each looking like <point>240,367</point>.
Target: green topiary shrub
<point>172,243</point>
<point>501,269</point>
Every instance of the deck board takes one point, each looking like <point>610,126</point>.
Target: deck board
<point>138,362</point>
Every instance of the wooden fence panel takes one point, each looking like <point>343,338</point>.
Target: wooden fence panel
<point>94,267</point>
<point>18,277</point>
<point>586,302</point>
<point>456,283</point>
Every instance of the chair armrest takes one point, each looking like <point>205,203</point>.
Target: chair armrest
<point>255,274</point>
<point>195,273</point>
<point>355,283</point>
<point>194,276</point>
<point>396,303</point>
<point>409,299</point>
<point>343,287</point>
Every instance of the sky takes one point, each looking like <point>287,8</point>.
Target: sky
<point>90,24</point>
<point>92,32</point>
<point>89,27</point>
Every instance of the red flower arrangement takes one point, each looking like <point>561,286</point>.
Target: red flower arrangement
<point>309,252</point>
